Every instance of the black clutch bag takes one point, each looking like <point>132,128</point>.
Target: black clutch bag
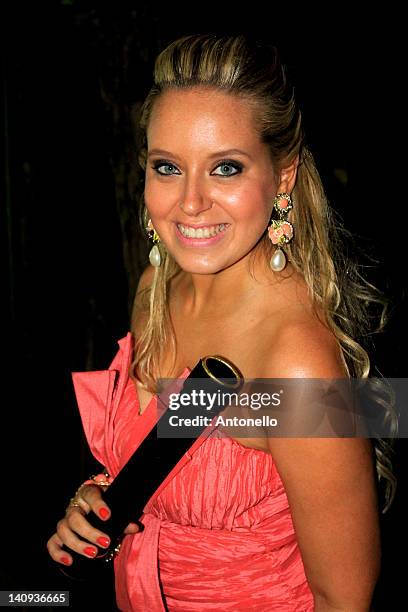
<point>135,484</point>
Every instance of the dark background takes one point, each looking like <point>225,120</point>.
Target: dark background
<point>71,71</point>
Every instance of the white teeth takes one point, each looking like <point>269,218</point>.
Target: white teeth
<point>201,232</point>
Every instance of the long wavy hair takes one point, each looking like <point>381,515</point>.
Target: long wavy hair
<point>253,71</point>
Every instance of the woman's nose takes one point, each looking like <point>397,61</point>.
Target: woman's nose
<point>194,201</point>
<point>194,207</point>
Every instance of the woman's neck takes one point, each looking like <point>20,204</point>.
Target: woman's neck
<point>227,290</point>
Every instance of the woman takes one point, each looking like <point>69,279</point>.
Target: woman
<point>246,264</point>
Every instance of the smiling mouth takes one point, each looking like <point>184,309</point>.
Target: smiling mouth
<point>202,232</point>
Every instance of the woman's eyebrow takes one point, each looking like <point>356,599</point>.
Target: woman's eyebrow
<point>217,154</point>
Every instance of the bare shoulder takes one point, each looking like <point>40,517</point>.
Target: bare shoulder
<point>140,303</point>
<point>295,340</point>
<point>303,347</point>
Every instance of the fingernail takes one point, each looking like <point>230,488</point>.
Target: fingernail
<point>66,560</point>
<point>91,552</point>
<point>103,541</point>
<point>103,512</point>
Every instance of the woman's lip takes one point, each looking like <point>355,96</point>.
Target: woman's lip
<point>201,242</point>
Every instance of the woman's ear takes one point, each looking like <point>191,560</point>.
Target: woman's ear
<point>288,176</point>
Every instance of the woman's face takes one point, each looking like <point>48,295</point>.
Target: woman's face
<point>210,183</point>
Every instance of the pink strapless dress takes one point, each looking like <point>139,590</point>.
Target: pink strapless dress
<point>218,532</point>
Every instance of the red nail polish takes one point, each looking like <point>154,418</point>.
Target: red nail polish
<point>103,541</point>
<point>91,552</point>
<point>103,512</point>
<point>66,560</point>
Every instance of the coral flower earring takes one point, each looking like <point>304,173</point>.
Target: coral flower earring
<point>280,231</point>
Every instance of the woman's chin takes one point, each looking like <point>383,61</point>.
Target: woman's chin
<point>192,266</point>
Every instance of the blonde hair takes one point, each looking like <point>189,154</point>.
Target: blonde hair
<point>244,68</point>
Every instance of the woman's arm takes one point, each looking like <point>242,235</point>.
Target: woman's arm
<point>330,484</point>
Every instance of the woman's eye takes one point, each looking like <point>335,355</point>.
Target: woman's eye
<point>166,165</point>
<point>226,167</point>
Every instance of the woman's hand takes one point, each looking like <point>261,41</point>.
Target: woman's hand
<point>74,526</point>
